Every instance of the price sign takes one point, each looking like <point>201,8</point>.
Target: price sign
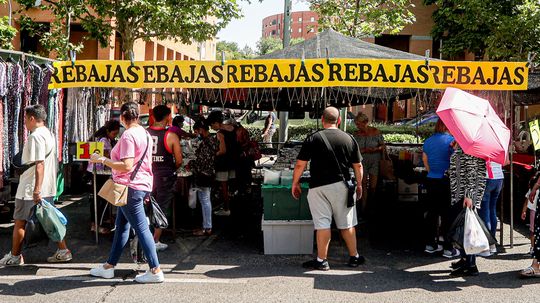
<point>535,134</point>
<point>85,149</point>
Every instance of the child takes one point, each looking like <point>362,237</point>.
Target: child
<point>532,208</point>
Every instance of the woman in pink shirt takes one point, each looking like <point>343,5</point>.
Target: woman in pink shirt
<point>131,164</point>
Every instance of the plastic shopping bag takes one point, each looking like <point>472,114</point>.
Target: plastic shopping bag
<point>455,233</point>
<point>61,216</point>
<point>192,200</point>
<point>157,218</point>
<point>474,238</point>
<point>33,232</point>
<point>50,221</point>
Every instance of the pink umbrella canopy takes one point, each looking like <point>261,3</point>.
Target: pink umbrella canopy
<point>475,125</point>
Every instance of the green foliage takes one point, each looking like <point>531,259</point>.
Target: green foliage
<point>7,33</point>
<point>500,29</point>
<point>360,18</point>
<point>179,20</point>
<point>233,51</point>
<point>401,138</point>
<point>272,44</point>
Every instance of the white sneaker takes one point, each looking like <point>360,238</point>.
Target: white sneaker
<point>60,256</point>
<point>100,271</point>
<point>222,212</point>
<point>451,253</point>
<point>431,249</point>
<point>149,277</point>
<point>161,246</point>
<point>493,249</point>
<point>11,260</point>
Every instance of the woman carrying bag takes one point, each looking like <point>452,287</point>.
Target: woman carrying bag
<point>131,164</point>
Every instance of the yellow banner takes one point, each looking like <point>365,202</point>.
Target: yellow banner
<point>292,73</point>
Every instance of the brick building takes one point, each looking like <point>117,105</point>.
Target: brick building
<point>304,25</point>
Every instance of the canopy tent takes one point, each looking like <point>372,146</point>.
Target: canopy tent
<point>530,96</point>
<point>332,45</point>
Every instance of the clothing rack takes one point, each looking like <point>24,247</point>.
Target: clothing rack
<point>6,53</point>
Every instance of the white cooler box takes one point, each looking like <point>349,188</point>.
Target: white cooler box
<point>294,237</point>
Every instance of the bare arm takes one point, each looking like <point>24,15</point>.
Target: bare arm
<point>174,144</point>
<point>222,149</point>
<point>359,175</point>
<point>299,168</point>
<point>425,160</point>
<point>123,166</point>
<point>40,170</point>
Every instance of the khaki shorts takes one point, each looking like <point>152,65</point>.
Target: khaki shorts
<point>24,207</point>
<point>223,176</point>
<point>329,201</point>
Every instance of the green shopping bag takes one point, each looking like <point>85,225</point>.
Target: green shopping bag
<point>51,223</point>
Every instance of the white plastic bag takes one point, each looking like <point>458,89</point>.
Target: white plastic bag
<point>474,239</point>
<point>192,199</point>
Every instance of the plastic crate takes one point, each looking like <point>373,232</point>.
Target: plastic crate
<point>280,205</point>
<point>287,237</point>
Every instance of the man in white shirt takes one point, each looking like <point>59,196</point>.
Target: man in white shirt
<point>35,183</point>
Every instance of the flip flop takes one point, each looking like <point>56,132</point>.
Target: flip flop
<point>529,272</point>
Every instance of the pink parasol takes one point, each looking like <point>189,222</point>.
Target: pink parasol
<point>475,125</point>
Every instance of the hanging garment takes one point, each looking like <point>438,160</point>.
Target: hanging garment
<point>46,78</point>
<point>37,81</point>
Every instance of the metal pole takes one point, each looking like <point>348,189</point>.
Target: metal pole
<point>96,224</point>
<point>512,118</point>
<point>283,115</point>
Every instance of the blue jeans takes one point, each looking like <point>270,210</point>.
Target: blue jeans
<point>204,197</point>
<point>132,215</point>
<point>488,208</point>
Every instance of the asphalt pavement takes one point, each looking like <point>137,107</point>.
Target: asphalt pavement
<point>230,266</point>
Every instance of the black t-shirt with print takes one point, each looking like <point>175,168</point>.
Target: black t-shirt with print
<point>323,168</point>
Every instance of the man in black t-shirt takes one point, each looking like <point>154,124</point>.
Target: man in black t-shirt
<point>328,193</point>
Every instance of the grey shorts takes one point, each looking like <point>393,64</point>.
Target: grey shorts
<point>329,201</point>
<point>223,176</point>
<point>23,208</point>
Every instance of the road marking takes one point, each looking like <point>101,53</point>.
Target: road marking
<point>88,279</point>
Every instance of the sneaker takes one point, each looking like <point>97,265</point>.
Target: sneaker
<point>452,253</point>
<point>430,249</point>
<point>222,212</point>
<point>11,260</point>
<point>60,256</point>
<point>493,249</point>
<point>485,253</point>
<point>100,271</point>
<point>354,261</point>
<point>465,271</point>
<point>161,246</point>
<point>314,264</point>
<point>460,263</point>
<point>149,277</point>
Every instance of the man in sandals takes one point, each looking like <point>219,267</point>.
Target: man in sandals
<point>36,183</point>
<point>328,194</point>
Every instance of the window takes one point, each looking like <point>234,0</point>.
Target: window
<point>273,32</point>
<point>300,19</point>
<point>299,29</point>
<point>311,30</point>
<point>274,22</point>
<point>312,19</point>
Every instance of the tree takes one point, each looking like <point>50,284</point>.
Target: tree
<point>272,44</point>
<point>233,51</point>
<point>516,36</point>
<point>360,18</point>
<point>180,20</point>
<point>484,27</point>
<point>7,32</point>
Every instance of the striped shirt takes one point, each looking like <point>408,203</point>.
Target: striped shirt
<point>467,177</point>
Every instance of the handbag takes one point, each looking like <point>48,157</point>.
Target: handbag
<point>157,218</point>
<point>386,167</point>
<point>19,167</point>
<point>116,193</point>
<point>351,187</point>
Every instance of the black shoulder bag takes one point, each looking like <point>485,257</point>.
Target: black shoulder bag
<point>351,187</point>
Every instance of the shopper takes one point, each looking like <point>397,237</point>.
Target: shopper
<point>328,194</point>
<point>436,154</point>
<point>467,184</point>
<point>106,135</point>
<point>531,206</point>
<point>533,271</point>
<point>269,129</point>
<point>226,157</point>
<point>204,172</point>
<point>371,143</point>
<point>177,128</point>
<point>488,207</point>
<point>125,158</point>
<point>36,183</point>
<point>166,158</point>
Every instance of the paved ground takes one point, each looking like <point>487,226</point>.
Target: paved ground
<point>230,268</point>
